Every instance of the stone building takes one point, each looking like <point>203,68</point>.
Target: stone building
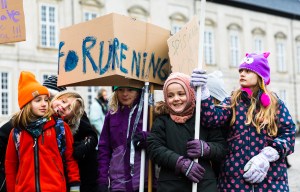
<point>232,28</point>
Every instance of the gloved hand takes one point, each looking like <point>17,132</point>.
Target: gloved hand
<point>103,188</point>
<point>257,167</point>
<point>74,189</point>
<point>192,170</point>
<point>199,78</point>
<point>140,140</point>
<point>197,148</point>
<point>80,148</point>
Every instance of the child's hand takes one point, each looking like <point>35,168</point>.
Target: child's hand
<point>197,148</point>
<point>192,170</point>
<point>199,79</point>
<point>140,140</point>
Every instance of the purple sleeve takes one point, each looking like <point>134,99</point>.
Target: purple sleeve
<point>104,152</point>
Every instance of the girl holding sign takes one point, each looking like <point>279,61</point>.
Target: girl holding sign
<point>171,144</point>
<point>261,129</point>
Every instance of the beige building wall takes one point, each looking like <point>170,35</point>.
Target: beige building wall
<point>170,14</point>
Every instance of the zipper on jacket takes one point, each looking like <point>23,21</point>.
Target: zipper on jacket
<point>36,165</point>
<point>62,175</point>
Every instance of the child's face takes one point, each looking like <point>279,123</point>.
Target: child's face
<point>176,97</point>
<point>126,96</point>
<point>248,79</point>
<point>40,105</point>
<point>63,106</point>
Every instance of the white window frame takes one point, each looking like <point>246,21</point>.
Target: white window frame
<point>4,112</point>
<point>138,12</point>
<point>89,15</point>
<point>92,92</point>
<point>209,46</point>
<point>234,43</point>
<point>283,95</point>
<point>258,44</point>
<point>48,26</point>
<point>177,21</point>
<point>298,56</point>
<point>281,56</point>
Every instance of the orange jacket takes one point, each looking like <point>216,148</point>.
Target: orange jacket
<point>24,171</point>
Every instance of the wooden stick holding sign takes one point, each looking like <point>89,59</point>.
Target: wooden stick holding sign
<point>198,98</point>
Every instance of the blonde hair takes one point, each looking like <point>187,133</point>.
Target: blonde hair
<point>77,107</point>
<point>22,118</point>
<point>113,103</point>
<point>265,117</point>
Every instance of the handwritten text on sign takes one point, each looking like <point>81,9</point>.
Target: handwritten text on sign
<point>141,62</point>
<point>12,25</point>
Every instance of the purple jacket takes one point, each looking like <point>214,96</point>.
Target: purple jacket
<point>114,151</point>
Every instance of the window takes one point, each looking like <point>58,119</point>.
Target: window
<point>209,43</point>
<point>280,52</point>
<point>91,94</point>
<point>298,53</point>
<point>48,26</point>
<point>4,87</point>
<point>89,16</point>
<point>177,21</point>
<point>282,96</point>
<point>258,36</point>
<point>234,44</point>
<point>138,13</point>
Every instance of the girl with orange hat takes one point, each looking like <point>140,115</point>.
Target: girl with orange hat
<point>261,129</point>
<point>33,161</point>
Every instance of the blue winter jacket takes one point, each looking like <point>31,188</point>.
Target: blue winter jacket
<point>244,142</point>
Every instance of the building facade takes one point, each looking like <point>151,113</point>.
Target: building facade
<point>231,30</point>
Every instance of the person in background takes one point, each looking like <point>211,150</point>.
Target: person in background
<point>51,84</point>
<point>70,106</point>
<point>32,157</point>
<point>171,143</point>
<point>121,142</point>
<point>261,129</point>
<point>98,110</point>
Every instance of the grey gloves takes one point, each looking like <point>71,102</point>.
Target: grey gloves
<point>197,148</point>
<point>199,78</point>
<point>192,170</point>
<point>257,167</point>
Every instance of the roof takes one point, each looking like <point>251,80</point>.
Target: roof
<point>283,8</point>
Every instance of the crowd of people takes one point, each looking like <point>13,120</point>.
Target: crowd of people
<point>51,144</point>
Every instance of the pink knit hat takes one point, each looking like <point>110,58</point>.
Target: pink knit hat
<point>259,64</point>
<point>184,81</point>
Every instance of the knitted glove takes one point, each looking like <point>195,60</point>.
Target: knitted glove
<point>192,170</point>
<point>103,188</point>
<point>74,189</point>
<point>140,140</point>
<point>197,148</point>
<point>199,78</point>
<point>257,167</point>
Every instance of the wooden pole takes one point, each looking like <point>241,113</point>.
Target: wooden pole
<point>150,181</point>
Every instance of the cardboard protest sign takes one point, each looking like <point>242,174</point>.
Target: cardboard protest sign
<point>113,50</point>
<point>12,22</point>
<point>184,48</point>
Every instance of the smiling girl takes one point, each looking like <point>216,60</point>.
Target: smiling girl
<point>171,144</point>
<point>33,161</point>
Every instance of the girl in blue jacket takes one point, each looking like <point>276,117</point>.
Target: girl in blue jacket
<point>261,129</point>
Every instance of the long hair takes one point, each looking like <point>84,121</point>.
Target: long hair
<point>22,118</point>
<point>77,108</point>
<point>113,103</point>
<point>264,117</point>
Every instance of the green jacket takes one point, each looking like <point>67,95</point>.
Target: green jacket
<point>167,142</point>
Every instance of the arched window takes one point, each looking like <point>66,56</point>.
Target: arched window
<point>177,21</point>
<point>258,37</point>
<point>280,41</point>
<point>209,42</point>
<point>91,9</point>
<point>138,13</point>
<point>234,32</point>
<point>298,53</point>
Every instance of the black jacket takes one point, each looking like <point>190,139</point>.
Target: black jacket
<point>167,141</point>
<point>85,142</point>
<point>4,135</point>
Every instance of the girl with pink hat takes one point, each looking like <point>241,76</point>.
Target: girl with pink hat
<point>261,129</point>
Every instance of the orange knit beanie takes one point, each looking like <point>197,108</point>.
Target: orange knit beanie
<point>29,88</point>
